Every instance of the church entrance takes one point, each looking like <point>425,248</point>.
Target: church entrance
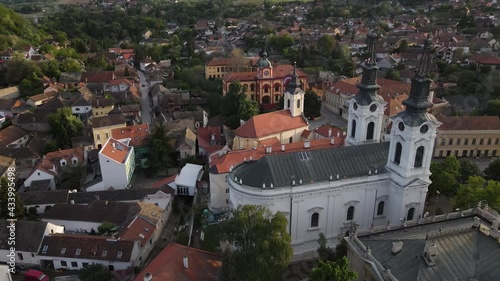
<point>266,99</point>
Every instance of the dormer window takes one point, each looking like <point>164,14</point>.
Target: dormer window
<point>119,255</point>
<point>63,162</point>
<point>63,250</point>
<point>104,253</point>
<point>45,248</point>
<point>78,251</point>
<point>74,160</point>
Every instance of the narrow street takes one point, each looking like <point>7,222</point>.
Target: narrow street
<point>145,100</point>
<point>327,117</point>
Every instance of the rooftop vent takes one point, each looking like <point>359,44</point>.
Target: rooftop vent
<point>148,277</point>
<point>307,144</point>
<point>397,247</point>
<point>263,186</point>
<point>185,262</point>
<point>272,185</point>
<point>282,147</point>
<point>430,249</point>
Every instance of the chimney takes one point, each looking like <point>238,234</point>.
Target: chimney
<point>397,247</point>
<point>332,141</point>
<point>185,262</point>
<point>148,276</point>
<point>307,144</point>
<point>114,145</point>
<point>330,132</point>
<point>72,202</point>
<point>282,147</point>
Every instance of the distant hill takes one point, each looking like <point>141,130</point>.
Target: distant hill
<point>16,31</point>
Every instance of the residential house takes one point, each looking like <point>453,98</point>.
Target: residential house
<point>132,112</point>
<point>102,106</point>
<point>468,136</point>
<point>13,136</point>
<point>33,122</point>
<point>54,104</point>
<point>53,163</point>
<point>145,63</point>
<point>138,135</point>
<point>28,52</point>
<point>200,117</point>
<point>28,238</point>
<point>81,107</point>
<point>218,67</point>
<point>179,262</point>
<point>70,79</point>
<point>172,101</point>
<point>186,181</point>
<point>117,161</point>
<point>97,81</point>
<point>75,252</point>
<point>7,167</point>
<point>156,92</point>
<point>7,55</point>
<point>120,85</point>
<point>40,99</point>
<point>186,144</point>
<point>44,200</point>
<point>26,156</point>
<point>85,218</point>
<point>6,107</point>
<point>209,139</point>
<point>486,60</point>
<point>102,127</point>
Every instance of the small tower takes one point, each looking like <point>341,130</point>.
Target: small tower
<point>293,99</point>
<point>366,109</point>
<point>412,139</point>
<point>265,68</point>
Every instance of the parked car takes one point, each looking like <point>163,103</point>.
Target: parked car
<point>35,275</point>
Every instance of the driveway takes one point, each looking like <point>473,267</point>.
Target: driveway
<point>328,117</point>
<point>145,100</point>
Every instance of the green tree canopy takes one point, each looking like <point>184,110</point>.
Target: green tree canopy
<point>235,106</point>
<point>65,126</point>
<point>493,108</point>
<point>468,169</point>
<point>6,210</point>
<point>393,74</point>
<point>477,189</point>
<point>444,176</point>
<point>492,172</point>
<point>261,246</point>
<point>95,272</point>
<point>105,228</point>
<point>312,105</point>
<point>333,271</point>
<point>160,150</point>
<point>325,45</point>
<point>325,253</point>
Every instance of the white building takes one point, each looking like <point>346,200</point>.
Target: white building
<point>366,184</point>
<point>5,273</point>
<point>29,236</point>
<point>186,180</point>
<point>76,252</point>
<point>117,160</point>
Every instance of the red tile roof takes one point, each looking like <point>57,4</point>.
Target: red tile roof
<point>270,141</point>
<point>325,131</point>
<point>469,122</point>
<point>138,134</point>
<point>164,181</point>
<point>120,81</point>
<point>204,136</point>
<point>270,123</point>
<point>98,77</point>
<point>138,230</point>
<point>66,154</point>
<point>486,59</point>
<point>115,150</point>
<point>168,265</point>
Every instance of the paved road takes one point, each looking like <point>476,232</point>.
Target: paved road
<point>328,117</point>
<point>145,101</point>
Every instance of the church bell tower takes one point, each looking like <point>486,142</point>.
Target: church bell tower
<point>293,98</point>
<point>366,109</point>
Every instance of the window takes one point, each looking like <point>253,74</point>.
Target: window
<point>409,215</point>
<point>478,153</point>
<point>245,88</point>
<point>74,264</point>
<point>380,208</point>
<point>107,136</point>
<point>288,103</point>
<point>227,190</point>
<point>458,141</point>
<point>45,248</point>
<point>450,141</point>
<point>486,152</point>
<point>98,137</point>
<point>266,89</point>
<point>353,129</point>
<point>473,141</point>
<point>489,141</point>
<point>63,263</point>
<point>494,154</point>
<point>104,253</point>
<point>481,141</point>
<point>85,264</point>
<point>369,131</point>
<point>78,251</point>
<point>119,254</point>
<point>350,213</point>
<point>448,153</point>
<point>291,139</point>
<point>77,109</point>
<point>466,142</point>
<point>276,88</point>
<point>298,103</point>
<point>252,87</point>
<point>443,141</point>
<point>496,142</point>
<point>397,155</point>
<point>314,220</point>
<point>276,98</point>
<point>63,250</point>
<point>20,256</point>
<point>419,157</point>
<point>74,161</point>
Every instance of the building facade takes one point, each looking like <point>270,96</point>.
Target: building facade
<point>117,160</point>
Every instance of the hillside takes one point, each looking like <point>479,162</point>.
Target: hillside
<point>16,31</point>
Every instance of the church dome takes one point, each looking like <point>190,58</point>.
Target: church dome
<point>264,61</point>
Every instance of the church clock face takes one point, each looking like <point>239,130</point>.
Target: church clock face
<point>266,72</point>
<point>424,129</point>
<point>401,126</point>
<point>373,107</point>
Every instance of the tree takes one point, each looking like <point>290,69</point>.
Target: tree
<point>71,65</point>
<point>32,85</point>
<point>65,126</point>
<point>105,228</point>
<point>160,150</point>
<point>95,272</point>
<point>259,240</point>
<point>312,105</point>
<point>493,108</point>
<point>393,74</point>
<point>403,46</point>
<point>235,106</point>
<point>247,109</point>
<point>7,211</point>
<point>237,60</point>
<point>444,176</point>
<point>50,146</point>
<point>492,172</point>
<point>477,189</point>
<point>333,271</point>
<point>325,45</point>
<point>325,253</point>
<point>468,169</point>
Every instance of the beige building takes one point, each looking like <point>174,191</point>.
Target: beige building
<point>102,127</point>
<point>216,68</point>
<point>102,107</point>
<point>468,136</point>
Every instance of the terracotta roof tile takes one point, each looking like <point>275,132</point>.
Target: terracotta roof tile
<point>11,134</point>
<point>325,131</point>
<point>469,122</point>
<point>110,120</point>
<point>168,265</point>
<point>138,134</point>
<point>138,230</point>
<point>270,123</point>
<point>164,181</point>
<point>116,150</point>
<point>97,77</point>
<point>270,141</point>
<point>204,136</point>
<point>486,59</point>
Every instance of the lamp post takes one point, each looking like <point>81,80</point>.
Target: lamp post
<point>437,200</point>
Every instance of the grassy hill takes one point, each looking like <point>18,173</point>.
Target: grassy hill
<point>16,31</point>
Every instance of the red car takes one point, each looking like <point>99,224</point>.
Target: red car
<point>35,275</point>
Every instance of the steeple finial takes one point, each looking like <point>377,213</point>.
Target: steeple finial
<point>294,83</point>
<point>425,60</point>
<point>371,39</point>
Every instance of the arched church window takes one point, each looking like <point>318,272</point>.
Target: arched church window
<point>288,103</point>
<point>353,128</point>
<point>369,131</point>
<point>409,215</point>
<point>252,87</point>
<point>245,88</point>
<point>298,103</point>
<point>419,157</point>
<point>380,208</point>
<point>277,87</point>
<point>397,155</point>
<point>266,89</point>
<point>350,213</point>
<point>315,220</point>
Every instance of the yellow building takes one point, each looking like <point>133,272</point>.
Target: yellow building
<point>101,107</point>
<point>218,67</point>
<point>102,126</point>
<point>468,136</point>
<point>267,84</point>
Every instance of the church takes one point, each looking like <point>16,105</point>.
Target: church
<point>366,183</point>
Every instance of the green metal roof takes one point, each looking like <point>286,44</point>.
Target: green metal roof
<point>313,166</point>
